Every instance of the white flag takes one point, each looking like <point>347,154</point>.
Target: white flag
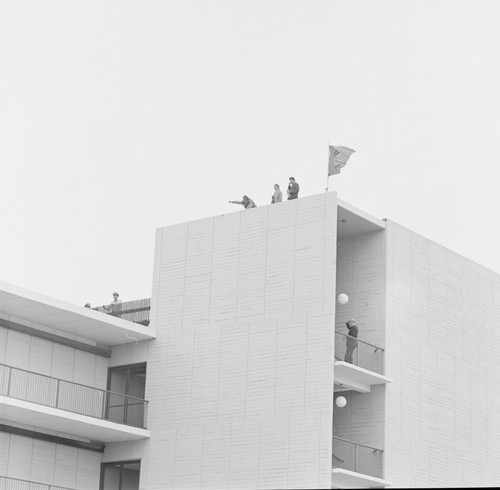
<point>338,158</point>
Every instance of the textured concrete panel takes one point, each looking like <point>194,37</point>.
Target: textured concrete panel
<point>240,376</point>
<point>48,463</point>
<point>442,338</point>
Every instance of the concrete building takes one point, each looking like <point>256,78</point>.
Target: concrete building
<point>233,375</point>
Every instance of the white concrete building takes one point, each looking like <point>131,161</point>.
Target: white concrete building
<point>242,356</point>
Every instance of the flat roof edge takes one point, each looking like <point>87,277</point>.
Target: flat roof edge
<point>146,333</point>
<point>362,214</point>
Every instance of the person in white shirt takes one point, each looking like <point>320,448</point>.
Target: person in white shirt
<point>277,196</point>
<point>114,305</point>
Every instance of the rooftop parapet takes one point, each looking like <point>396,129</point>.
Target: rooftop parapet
<point>136,311</point>
<point>29,311</point>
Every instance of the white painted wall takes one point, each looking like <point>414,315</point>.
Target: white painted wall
<point>49,463</point>
<point>40,461</point>
<point>240,376</point>
<point>42,356</point>
<point>443,351</point>
<point>361,272</point>
<point>124,354</point>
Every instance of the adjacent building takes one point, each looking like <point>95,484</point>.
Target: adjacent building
<point>234,373</point>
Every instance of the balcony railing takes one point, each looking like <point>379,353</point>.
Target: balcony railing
<point>7,483</point>
<point>136,311</point>
<point>72,397</point>
<point>365,355</point>
<point>357,457</point>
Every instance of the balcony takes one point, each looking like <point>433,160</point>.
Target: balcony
<point>54,404</point>
<point>7,483</point>
<point>363,370</point>
<point>356,465</point>
<point>27,310</point>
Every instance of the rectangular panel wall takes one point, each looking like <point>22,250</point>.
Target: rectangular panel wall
<point>42,356</point>
<point>442,340</point>
<point>240,377</point>
<point>45,462</point>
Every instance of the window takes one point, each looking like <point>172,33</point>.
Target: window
<point>129,381</point>
<point>123,475</point>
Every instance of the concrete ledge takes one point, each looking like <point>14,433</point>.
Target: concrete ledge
<point>54,419</point>
<point>60,316</point>
<point>350,479</point>
<point>351,377</point>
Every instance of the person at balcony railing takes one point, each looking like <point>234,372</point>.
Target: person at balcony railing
<point>88,305</point>
<point>351,342</point>
<point>115,305</point>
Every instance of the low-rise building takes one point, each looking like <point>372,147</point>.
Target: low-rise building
<point>235,374</point>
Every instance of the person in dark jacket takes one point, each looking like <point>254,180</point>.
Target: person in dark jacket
<point>293,189</point>
<point>246,201</point>
<point>351,342</point>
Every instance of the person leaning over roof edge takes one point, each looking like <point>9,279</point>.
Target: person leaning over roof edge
<point>246,202</point>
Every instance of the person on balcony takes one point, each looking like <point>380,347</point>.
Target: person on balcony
<point>246,201</point>
<point>115,305</point>
<point>351,342</point>
<point>278,195</point>
<point>293,189</point>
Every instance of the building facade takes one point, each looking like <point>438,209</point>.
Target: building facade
<point>236,374</point>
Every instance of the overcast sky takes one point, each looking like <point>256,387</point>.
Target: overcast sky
<point>119,117</point>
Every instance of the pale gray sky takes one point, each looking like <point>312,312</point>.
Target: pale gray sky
<point>118,117</point>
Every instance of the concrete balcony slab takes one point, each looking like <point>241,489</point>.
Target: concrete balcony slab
<point>350,377</point>
<point>350,479</point>
<point>53,315</point>
<point>54,419</point>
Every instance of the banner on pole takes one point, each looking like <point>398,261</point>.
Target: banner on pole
<point>338,158</point>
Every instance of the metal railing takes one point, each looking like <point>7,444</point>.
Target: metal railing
<point>357,457</point>
<point>7,483</point>
<point>136,311</point>
<point>72,397</point>
<point>359,353</point>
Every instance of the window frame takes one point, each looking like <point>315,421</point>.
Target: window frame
<point>122,465</point>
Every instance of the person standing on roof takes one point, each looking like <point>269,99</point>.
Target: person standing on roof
<point>115,304</point>
<point>246,202</point>
<point>278,195</point>
<point>293,189</point>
